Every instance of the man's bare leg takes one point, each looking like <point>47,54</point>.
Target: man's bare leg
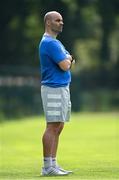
<point>51,138</point>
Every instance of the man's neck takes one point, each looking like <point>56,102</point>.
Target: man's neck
<point>50,34</point>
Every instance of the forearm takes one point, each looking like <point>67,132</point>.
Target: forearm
<point>66,64</point>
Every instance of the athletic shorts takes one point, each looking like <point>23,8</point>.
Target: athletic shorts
<point>56,103</point>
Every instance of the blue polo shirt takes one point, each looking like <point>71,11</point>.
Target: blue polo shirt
<point>51,52</point>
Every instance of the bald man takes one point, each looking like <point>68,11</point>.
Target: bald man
<point>55,63</point>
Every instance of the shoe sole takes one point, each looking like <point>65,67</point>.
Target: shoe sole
<point>54,174</point>
<point>47,175</point>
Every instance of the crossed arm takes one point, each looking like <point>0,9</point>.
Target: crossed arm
<point>65,65</point>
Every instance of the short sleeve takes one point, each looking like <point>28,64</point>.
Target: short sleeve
<point>56,51</point>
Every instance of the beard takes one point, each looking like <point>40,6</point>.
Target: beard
<point>57,30</point>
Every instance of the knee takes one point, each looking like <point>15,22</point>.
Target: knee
<point>60,128</point>
<point>56,129</point>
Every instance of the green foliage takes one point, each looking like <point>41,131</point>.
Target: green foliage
<point>22,28</point>
<point>88,146</point>
<point>19,102</point>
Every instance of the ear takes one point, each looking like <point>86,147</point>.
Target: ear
<point>48,22</point>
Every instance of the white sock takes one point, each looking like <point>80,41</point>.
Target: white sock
<point>47,162</point>
<point>54,162</point>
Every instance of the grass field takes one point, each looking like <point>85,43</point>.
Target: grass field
<point>88,145</point>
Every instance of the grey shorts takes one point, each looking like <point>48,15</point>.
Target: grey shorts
<point>56,103</point>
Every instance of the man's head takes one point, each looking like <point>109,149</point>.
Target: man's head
<point>53,22</point>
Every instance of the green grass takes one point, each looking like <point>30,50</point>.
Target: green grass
<point>88,146</point>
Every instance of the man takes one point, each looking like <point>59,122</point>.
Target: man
<point>55,79</point>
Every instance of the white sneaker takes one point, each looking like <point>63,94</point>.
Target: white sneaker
<point>52,171</point>
<point>63,170</point>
